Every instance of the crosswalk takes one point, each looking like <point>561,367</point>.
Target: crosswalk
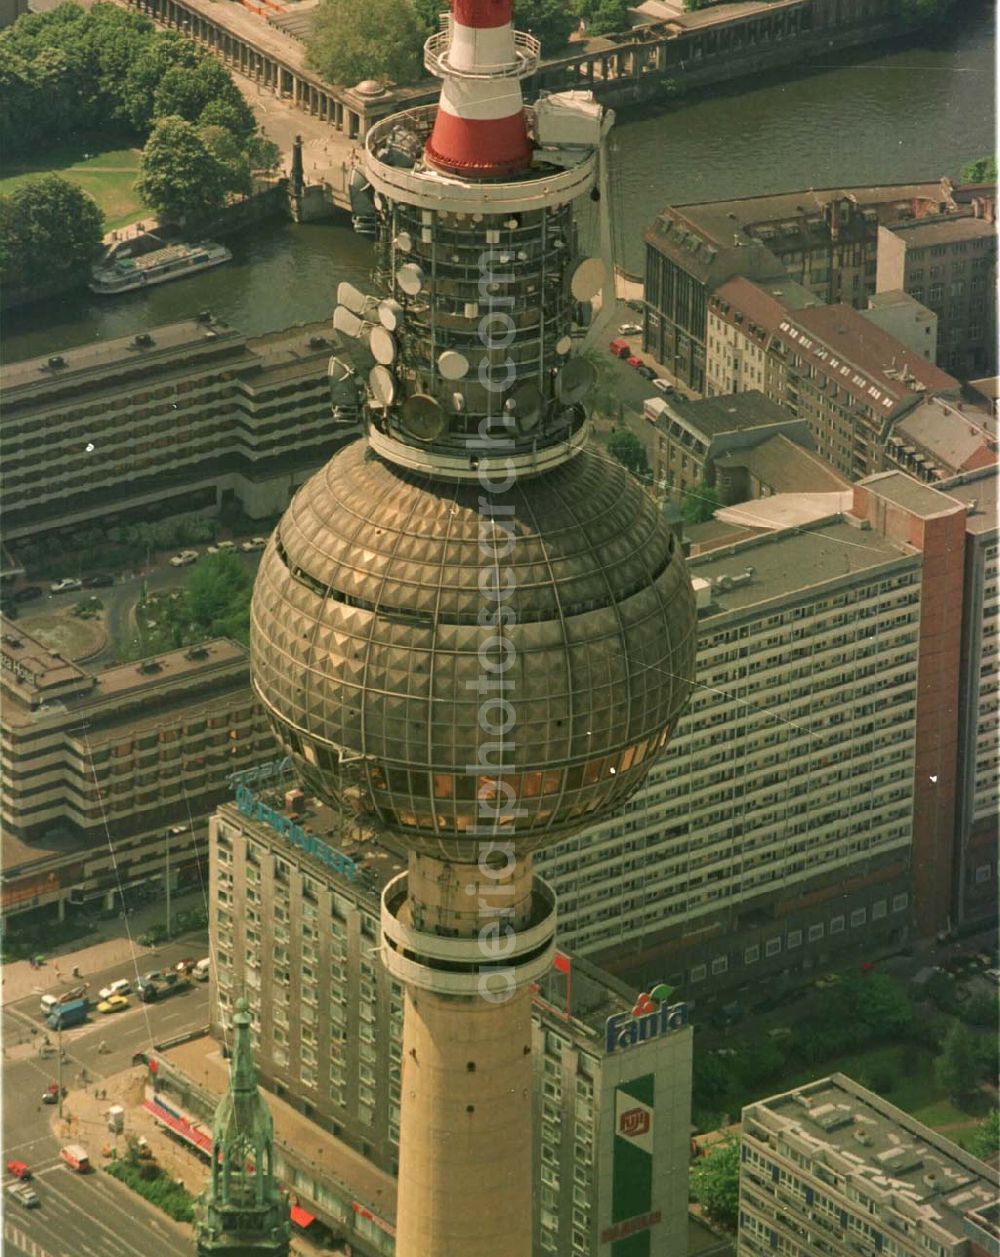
<point>24,1243</point>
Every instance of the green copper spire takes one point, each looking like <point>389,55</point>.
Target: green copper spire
<point>242,1212</point>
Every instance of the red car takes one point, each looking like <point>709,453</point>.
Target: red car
<point>634,362</point>
<point>18,1169</point>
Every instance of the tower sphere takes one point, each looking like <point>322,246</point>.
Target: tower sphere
<point>453,660</point>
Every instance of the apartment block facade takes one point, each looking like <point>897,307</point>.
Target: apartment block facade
<point>823,239</point>
<point>950,265</point>
<point>179,419</point>
<point>833,1170</point>
<point>780,829</point>
<point>829,365</point>
<point>102,770</point>
<point>297,931</point>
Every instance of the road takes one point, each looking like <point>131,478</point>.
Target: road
<point>86,1215</point>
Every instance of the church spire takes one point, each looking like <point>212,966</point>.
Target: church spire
<point>242,1212</point>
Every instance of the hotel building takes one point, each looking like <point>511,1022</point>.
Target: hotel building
<point>832,1170</point>
<point>105,775</point>
<point>295,928</point>
<point>180,419</point>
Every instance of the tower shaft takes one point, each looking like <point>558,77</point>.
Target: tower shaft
<point>467,941</point>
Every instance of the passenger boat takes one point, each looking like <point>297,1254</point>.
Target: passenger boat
<point>174,261</point>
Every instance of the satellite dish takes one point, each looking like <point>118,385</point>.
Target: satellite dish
<point>346,321</point>
<point>383,345</point>
<point>528,405</point>
<point>422,417</point>
<point>404,242</point>
<point>348,295</point>
<point>410,278</point>
<point>338,370</point>
<point>390,314</point>
<point>588,279</point>
<point>453,365</point>
<point>563,345</point>
<point>381,387</point>
<point>575,380</point>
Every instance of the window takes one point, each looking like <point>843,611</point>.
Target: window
<point>772,947</point>
<point>982,874</point>
<point>816,932</point>
<point>751,955</point>
<point>837,925</point>
<point>794,939</point>
<point>858,917</point>
<point>878,909</point>
<point>720,964</point>
<point>900,902</point>
<point>699,973</point>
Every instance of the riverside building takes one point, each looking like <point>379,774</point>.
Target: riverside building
<point>186,417</point>
<point>107,776</point>
<point>833,1170</point>
<point>295,929</point>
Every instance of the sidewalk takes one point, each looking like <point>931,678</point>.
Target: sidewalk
<point>20,980</point>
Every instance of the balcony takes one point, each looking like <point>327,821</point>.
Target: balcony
<point>527,51</point>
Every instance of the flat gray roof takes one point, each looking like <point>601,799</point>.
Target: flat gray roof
<point>790,562</point>
<point>903,490</point>
<point>733,412</point>
<point>979,487</point>
<point>946,230</point>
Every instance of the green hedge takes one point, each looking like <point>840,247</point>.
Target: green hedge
<point>159,1189</point>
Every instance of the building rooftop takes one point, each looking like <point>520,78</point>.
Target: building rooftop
<point>32,672</point>
<point>920,499</point>
<point>979,488</point>
<point>778,511</point>
<point>790,562</point>
<point>166,342</point>
<point>734,412</point>
<point>893,298</point>
<point>785,466</point>
<point>886,1154</point>
<point>766,303</point>
<point>955,436</point>
<point>947,229</point>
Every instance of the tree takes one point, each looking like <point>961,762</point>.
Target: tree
<point>428,15</point>
<point>353,40</point>
<point>956,1066</point>
<point>923,12</point>
<point>700,503</point>
<point>218,596</point>
<point>226,148</point>
<point>263,154</point>
<point>49,228</point>
<point>626,447</point>
<point>715,1182</point>
<point>604,17</point>
<point>982,170</point>
<point>550,21</point>
<point>984,1142</point>
<point>179,177</point>
<point>878,1002</point>
<point>203,93</point>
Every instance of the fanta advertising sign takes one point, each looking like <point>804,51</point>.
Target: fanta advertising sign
<point>652,1016</point>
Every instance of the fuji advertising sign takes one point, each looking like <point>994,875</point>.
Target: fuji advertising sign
<point>652,1017</point>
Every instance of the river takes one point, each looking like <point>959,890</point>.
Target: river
<point>903,114</point>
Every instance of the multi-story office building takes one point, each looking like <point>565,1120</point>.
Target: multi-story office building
<point>106,776</point>
<point>950,265</point>
<point>295,892</point>
<point>978,804</point>
<point>784,827</point>
<point>832,1170</point>
<point>826,240</point>
<point>902,316</point>
<point>179,419</point>
<point>744,445</point>
<point>828,365</point>
<point>941,438</point>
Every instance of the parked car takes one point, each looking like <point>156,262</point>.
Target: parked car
<point>993,975</point>
<point>114,1004</point>
<point>98,581</point>
<point>24,1195</point>
<point>646,372</point>
<point>633,361</point>
<point>827,980</point>
<point>630,329</point>
<point>51,1093</point>
<point>64,585</point>
<point>19,1169</point>
<point>620,348</point>
<point>28,594</point>
<point>184,559</point>
<point>222,547</point>
<point>185,966</point>
<point>663,385</point>
<point>121,986</point>
<point>201,969</point>
<point>255,543</point>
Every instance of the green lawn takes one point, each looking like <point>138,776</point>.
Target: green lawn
<point>108,177</point>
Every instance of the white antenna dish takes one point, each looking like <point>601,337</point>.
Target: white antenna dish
<point>575,380</point>
<point>390,314</point>
<point>383,345</point>
<point>588,279</point>
<point>563,345</point>
<point>453,365</point>
<point>346,321</point>
<point>348,295</point>
<point>381,387</point>
<point>404,242</point>
<point>422,417</point>
<point>410,278</point>
<point>528,405</point>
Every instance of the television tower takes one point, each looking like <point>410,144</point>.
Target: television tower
<point>470,626</point>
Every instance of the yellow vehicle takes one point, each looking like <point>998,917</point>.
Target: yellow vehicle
<point>113,1004</point>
